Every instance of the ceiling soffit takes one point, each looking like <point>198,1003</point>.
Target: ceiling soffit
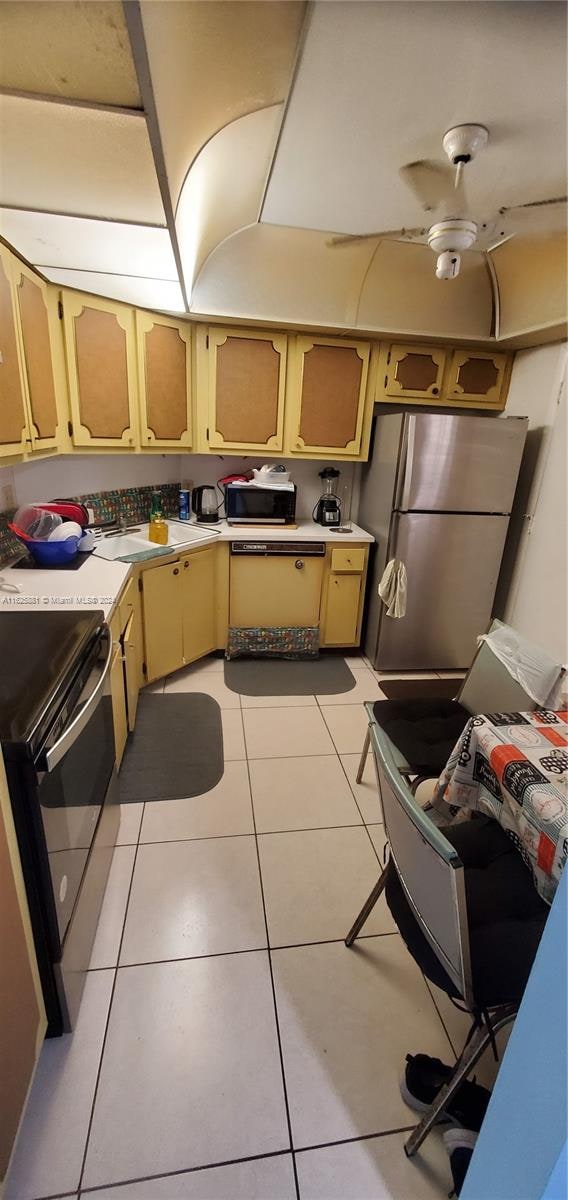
<point>159,294</point>
<point>77,51</point>
<point>49,240</point>
<point>212,63</point>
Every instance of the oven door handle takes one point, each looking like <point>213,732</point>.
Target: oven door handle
<point>80,720</point>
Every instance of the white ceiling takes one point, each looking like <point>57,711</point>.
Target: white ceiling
<point>55,241</point>
<point>379,84</point>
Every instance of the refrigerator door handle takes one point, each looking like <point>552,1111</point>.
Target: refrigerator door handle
<point>409,462</point>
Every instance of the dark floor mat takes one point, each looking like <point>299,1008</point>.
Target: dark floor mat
<point>176,750</point>
<point>284,677</point>
<point>420,689</point>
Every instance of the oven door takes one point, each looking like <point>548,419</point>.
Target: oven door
<point>73,777</point>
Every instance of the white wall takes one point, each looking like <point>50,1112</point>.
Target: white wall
<point>534,596</point>
<point>72,475</point>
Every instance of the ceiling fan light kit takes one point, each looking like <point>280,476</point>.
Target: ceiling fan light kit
<point>448,239</point>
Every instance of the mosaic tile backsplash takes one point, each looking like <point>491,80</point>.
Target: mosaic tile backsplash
<point>133,504</point>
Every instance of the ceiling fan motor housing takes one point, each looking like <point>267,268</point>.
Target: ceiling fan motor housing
<point>463,142</point>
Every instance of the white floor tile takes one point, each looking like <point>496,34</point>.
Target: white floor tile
<point>49,1153</point>
<point>192,898</point>
<point>209,682</point>
<point>213,662</point>
<point>261,1179</point>
<point>366,688</point>
<point>347,724</point>
<point>191,1072</point>
<point>223,811</point>
<point>347,1019</point>
<point>375,1169</point>
<point>156,688</point>
<point>278,701</point>
<point>113,911</point>
<point>366,793</point>
<point>316,882</point>
<point>130,822</point>
<point>301,793</point>
<point>285,733</point>
<point>355,661</point>
<point>233,735</point>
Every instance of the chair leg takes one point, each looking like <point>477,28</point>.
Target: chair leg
<point>466,1062</point>
<point>366,909</point>
<point>363,758</point>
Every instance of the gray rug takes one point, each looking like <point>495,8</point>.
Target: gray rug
<point>176,750</point>
<point>420,689</point>
<point>284,677</point>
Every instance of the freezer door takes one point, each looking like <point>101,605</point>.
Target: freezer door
<point>460,464</point>
<point>452,562</point>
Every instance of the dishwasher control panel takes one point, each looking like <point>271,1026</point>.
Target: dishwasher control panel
<point>270,549</point>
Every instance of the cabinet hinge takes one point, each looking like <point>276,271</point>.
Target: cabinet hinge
<point>386,380</point>
<point>70,428</point>
<point>206,341</point>
<point>140,584</point>
<point>60,309</point>
<point>144,669</point>
<point>388,358</point>
<point>207,433</point>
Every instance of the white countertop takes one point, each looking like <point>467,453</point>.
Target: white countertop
<point>97,583</point>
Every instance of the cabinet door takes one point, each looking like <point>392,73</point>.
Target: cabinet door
<point>476,377</point>
<point>341,611</point>
<point>37,346</point>
<point>131,647</point>
<point>162,617</point>
<point>414,371</point>
<point>13,423</point>
<point>246,389</point>
<point>118,703</point>
<point>275,592</point>
<point>199,608</point>
<point>101,361</point>
<point>328,392</point>
<point>164,371</point>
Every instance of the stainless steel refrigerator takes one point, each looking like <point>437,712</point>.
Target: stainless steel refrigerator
<point>437,493</point>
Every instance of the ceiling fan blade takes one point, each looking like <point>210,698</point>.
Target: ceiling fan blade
<point>347,238</point>
<point>431,182</point>
<point>534,204</point>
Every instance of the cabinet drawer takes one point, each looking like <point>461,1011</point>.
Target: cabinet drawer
<point>126,604</point>
<point>348,559</point>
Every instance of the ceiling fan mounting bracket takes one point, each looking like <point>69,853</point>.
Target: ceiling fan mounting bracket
<point>462,142</point>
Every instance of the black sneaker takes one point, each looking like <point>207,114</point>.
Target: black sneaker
<point>423,1078</point>
<point>460,1144</point>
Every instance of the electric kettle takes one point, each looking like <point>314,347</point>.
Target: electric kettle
<point>204,503</point>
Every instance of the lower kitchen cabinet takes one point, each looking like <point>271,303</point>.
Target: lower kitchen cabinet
<point>341,610</point>
<point>118,696</point>
<point>179,612</point>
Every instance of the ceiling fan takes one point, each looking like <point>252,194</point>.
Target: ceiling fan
<point>440,186</point>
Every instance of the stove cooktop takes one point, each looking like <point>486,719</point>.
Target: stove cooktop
<point>27,563</point>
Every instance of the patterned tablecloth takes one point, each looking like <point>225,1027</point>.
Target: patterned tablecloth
<point>514,767</point>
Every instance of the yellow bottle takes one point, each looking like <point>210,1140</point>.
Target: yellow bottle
<point>158,530</point>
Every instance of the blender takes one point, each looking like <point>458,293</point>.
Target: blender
<point>328,508</point>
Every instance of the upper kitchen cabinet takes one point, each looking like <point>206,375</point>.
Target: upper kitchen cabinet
<point>14,430</point>
<point>100,344</point>
<point>476,377</point>
<point>38,329</point>
<point>246,379</point>
<point>329,400</point>
<point>164,373</point>
<point>414,372</point>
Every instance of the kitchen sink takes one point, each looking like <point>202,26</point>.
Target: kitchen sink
<point>136,546</point>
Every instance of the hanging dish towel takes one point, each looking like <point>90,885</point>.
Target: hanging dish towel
<point>392,588</point>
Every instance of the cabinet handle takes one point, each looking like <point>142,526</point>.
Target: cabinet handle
<point>176,571</point>
<point>186,564</point>
<point>435,391</point>
<point>299,564</point>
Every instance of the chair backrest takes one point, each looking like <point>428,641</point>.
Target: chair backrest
<point>490,684</point>
<point>428,866</point>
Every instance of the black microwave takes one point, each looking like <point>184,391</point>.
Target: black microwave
<point>248,504</point>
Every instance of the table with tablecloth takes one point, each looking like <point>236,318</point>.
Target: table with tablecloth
<point>514,768</point>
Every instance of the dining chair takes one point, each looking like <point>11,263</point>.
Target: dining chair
<point>467,909</point>
<point>423,732</point>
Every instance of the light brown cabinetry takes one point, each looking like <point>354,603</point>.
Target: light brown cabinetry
<point>275,592</point>
<point>126,664</point>
<point>245,382</point>
<point>343,596</point>
<point>118,697</point>
<point>414,372</point>
<point>36,320</point>
<point>164,370</point>
<point>179,611</point>
<point>438,375</point>
<point>327,398</point>
<point>101,364</point>
<point>22,1014</point>
<point>476,377</point>
<point>13,417</point>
